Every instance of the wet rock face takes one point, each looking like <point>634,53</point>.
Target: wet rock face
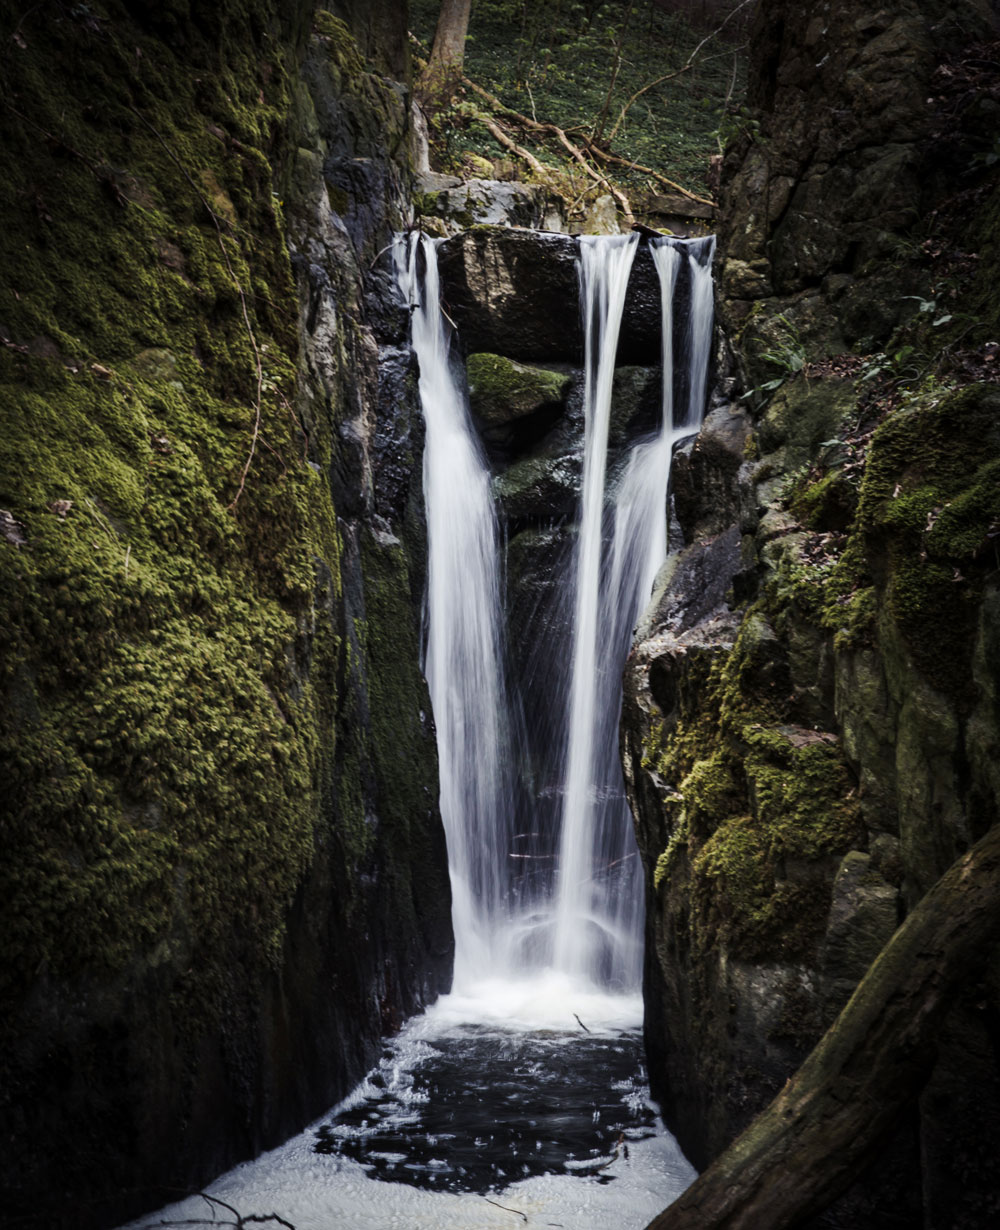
<point>509,291</point>
<point>845,641</point>
<point>704,477</point>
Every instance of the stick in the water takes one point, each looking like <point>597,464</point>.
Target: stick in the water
<point>581,1024</point>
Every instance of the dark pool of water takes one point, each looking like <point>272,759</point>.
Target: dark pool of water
<point>478,1109</point>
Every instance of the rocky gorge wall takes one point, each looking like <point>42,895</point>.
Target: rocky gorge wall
<point>810,730</point>
<point>223,871</point>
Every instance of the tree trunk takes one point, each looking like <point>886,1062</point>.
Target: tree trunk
<point>444,67</point>
<point>829,1119</point>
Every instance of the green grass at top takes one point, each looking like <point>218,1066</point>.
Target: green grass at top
<point>550,61</point>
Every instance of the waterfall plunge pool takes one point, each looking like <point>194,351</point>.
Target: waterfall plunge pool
<point>510,1104</point>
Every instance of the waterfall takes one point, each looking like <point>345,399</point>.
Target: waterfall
<point>463,662</point>
<point>599,896</point>
<point>581,923</point>
<point>585,922</point>
<point>496,1088</point>
<point>699,334</point>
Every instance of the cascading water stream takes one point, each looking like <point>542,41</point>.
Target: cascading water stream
<point>699,337</point>
<point>463,662</point>
<point>639,538</point>
<point>599,914</point>
<point>593,919</point>
<point>604,273</point>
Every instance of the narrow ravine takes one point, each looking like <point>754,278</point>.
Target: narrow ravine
<point>522,1095</point>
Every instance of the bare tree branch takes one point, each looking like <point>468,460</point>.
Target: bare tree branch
<point>509,143</point>
<point>619,196</point>
<point>689,63</point>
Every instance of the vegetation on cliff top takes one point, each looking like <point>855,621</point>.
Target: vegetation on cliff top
<point>648,83</point>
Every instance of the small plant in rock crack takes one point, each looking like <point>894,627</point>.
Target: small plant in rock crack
<point>785,352</point>
<point>928,306</point>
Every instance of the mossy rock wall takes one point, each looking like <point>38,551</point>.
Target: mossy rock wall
<point>224,873</point>
<point>808,754</point>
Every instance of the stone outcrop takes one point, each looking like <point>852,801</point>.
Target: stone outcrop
<point>224,874</point>
<point>447,205</point>
<point>809,732</point>
<point>509,291</point>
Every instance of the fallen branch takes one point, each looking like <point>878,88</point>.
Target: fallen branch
<point>604,156</point>
<point>241,1219</point>
<point>619,196</point>
<point>830,1118</point>
<point>540,126</point>
<point>508,142</point>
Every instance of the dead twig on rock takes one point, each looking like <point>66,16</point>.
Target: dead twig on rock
<point>241,1220</point>
<point>506,1208</point>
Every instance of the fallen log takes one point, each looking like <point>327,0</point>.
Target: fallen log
<point>831,1116</point>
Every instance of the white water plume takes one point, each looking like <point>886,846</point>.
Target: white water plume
<point>599,919</point>
<point>584,917</point>
<point>699,346</point>
<point>463,658</point>
<point>585,922</point>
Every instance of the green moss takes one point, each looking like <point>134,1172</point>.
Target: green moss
<point>164,727</point>
<point>964,528</point>
<point>826,504</point>
<point>501,389</point>
<point>403,753</point>
<point>852,616</point>
<point>340,42</point>
<point>929,502</point>
<point>763,814</point>
<point>801,792</point>
<point>709,790</point>
<point>803,414</point>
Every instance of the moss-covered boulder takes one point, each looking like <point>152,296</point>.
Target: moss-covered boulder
<point>501,389</point>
